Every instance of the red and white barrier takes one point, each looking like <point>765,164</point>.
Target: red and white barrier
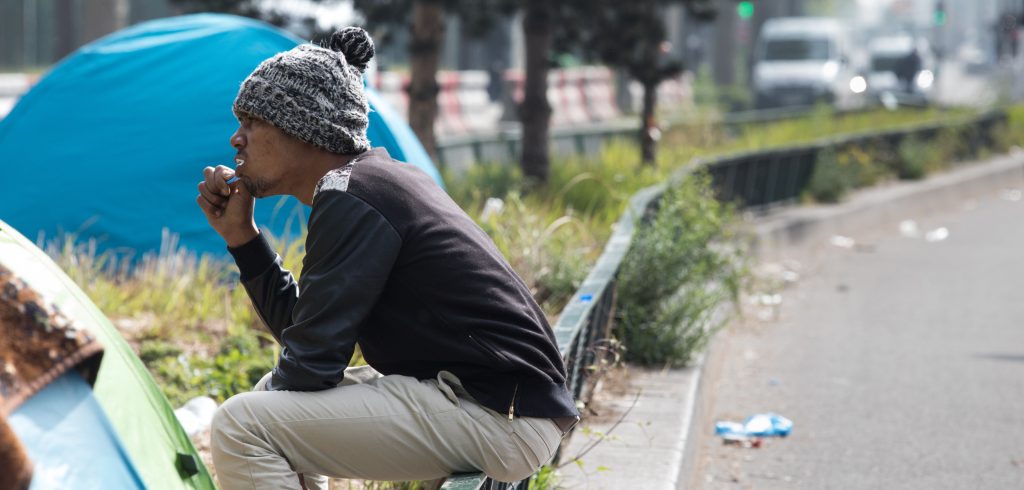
<point>577,96</point>
<point>449,111</point>
<point>573,101</point>
<point>463,105</point>
<point>477,112</point>
<point>674,95</point>
<point>599,93</point>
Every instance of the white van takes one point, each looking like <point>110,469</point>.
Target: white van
<point>800,61</point>
<point>902,65</point>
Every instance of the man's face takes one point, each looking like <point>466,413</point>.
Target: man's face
<point>265,154</point>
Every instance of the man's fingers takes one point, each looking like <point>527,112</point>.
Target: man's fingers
<point>221,176</point>
<point>214,199</point>
<point>210,210</point>
<point>216,179</point>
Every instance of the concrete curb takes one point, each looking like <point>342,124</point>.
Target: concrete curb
<point>637,460</point>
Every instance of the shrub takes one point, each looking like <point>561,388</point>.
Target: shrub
<point>239,364</point>
<point>866,172</point>
<point>917,157</point>
<point>830,181</point>
<point>676,276</point>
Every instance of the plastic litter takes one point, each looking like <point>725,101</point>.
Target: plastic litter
<point>790,276</point>
<point>843,241</point>
<point>769,306</point>
<point>196,415</point>
<point>1013,195</point>
<point>909,229</point>
<point>756,426</point>
<point>937,235</point>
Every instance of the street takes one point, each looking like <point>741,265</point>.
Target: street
<point>899,360</point>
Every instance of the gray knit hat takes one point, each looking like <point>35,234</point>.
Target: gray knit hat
<point>314,93</point>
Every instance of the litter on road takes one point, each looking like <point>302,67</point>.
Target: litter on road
<point>909,229</point>
<point>937,235</point>
<point>843,241</point>
<point>757,426</point>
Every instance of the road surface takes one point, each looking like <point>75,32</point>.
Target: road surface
<point>899,360</point>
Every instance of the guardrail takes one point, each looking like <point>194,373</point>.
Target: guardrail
<point>764,178</point>
<point>460,152</point>
<point>752,179</point>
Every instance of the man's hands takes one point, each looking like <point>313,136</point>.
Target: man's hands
<point>228,207</point>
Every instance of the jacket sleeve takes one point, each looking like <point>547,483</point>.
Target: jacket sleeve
<point>271,288</point>
<point>350,251</point>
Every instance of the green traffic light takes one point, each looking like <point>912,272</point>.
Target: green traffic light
<point>940,18</point>
<point>745,10</point>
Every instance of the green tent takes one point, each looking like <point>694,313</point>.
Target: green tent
<point>143,420</point>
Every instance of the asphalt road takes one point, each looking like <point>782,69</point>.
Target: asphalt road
<point>900,362</point>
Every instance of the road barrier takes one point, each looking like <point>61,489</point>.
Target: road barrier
<point>766,178</point>
<point>459,152</point>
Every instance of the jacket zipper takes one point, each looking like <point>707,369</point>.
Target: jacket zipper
<point>512,406</point>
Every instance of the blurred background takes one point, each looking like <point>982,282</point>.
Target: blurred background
<point>723,54</point>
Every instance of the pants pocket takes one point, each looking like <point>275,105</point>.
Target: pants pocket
<point>546,432</point>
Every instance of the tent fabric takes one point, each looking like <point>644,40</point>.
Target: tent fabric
<point>70,440</point>
<point>140,414</point>
<point>38,343</point>
<point>112,142</point>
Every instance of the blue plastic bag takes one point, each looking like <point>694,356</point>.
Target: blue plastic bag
<point>758,425</point>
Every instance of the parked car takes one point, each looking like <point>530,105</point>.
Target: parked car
<point>800,61</point>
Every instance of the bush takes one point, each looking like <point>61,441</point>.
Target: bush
<point>676,276</point>
<point>239,364</point>
<point>862,164</point>
<point>830,181</point>
<point>917,157</point>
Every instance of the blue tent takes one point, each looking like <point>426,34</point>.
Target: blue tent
<point>111,143</point>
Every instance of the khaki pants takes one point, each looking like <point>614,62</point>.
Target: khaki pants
<point>372,427</point>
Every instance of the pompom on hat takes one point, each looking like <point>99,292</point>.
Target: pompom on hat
<point>314,93</point>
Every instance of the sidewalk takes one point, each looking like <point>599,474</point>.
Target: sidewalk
<point>641,432</point>
<point>653,446</point>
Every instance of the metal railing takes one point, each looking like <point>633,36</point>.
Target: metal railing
<point>752,179</point>
<point>460,152</point>
<point>761,179</point>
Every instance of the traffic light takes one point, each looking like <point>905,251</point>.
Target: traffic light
<point>940,13</point>
<point>745,9</point>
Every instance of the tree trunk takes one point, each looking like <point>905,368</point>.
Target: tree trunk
<point>424,58</point>
<point>649,131</point>
<point>535,112</point>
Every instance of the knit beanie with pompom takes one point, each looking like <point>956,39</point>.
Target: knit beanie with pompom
<point>314,93</point>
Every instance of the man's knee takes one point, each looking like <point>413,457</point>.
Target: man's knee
<point>231,419</point>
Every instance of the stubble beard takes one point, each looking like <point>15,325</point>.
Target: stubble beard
<point>256,187</point>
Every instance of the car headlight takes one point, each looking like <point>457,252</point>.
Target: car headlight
<point>924,79</point>
<point>858,84</point>
<point>830,70</point>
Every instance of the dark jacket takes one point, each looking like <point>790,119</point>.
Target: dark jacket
<point>393,264</point>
